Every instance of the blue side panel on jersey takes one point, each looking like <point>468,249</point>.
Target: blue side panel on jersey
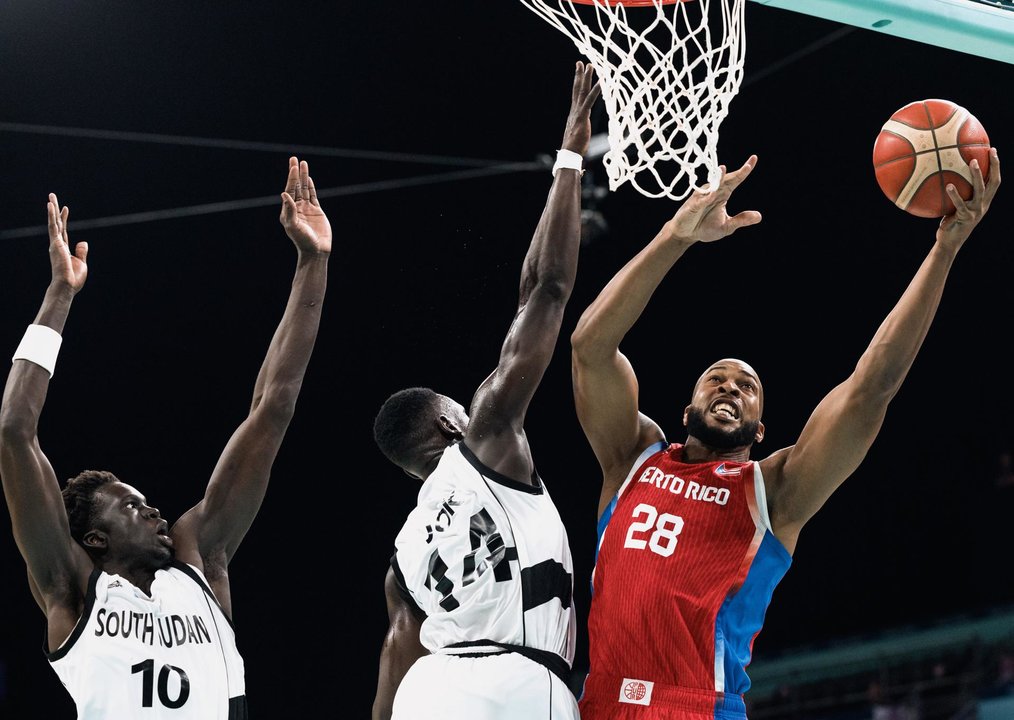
<point>607,514</point>
<point>742,614</point>
<point>603,521</point>
<point>729,707</point>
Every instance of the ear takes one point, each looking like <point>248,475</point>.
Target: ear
<point>96,540</point>
<point>760,433</point>
<point>450,429</point>
<point>686,415</point>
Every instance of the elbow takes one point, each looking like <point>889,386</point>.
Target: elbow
<point>551,288</point>
<point>16,427</point>
<point>579,337</point>
<point>277,403</point>
<point>579,345</point>
<point>879,382</point>
<point>584,344</point>
<point>557,288</point>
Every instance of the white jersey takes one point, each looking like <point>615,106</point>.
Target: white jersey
<point>170,655</point>
<point>488,560</point>
<point>482,687</point>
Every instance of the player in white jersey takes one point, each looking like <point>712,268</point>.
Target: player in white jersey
<point>172,649</point>
<point>479,592</point>
<point>138,613</point>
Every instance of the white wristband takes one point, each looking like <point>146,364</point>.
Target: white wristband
<point>568,160</point>
<point>40,345</point>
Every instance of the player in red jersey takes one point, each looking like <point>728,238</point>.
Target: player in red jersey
<point>698,533</point>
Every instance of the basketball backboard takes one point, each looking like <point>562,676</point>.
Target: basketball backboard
<point>978,27</point>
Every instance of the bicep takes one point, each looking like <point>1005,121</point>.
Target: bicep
<point>833,443</point>
<point>39,520</point>
<point>606,400</point>
<point>235,491</point>
<point>526,353</point>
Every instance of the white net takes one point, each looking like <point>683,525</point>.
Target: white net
<point>668,73</point>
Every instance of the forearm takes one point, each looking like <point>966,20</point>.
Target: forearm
<point>281,374</point>
<point>30,486</point>
<point>239,481</point>
<point>551,260</point>
<point>898,339</point>
<point>27,383</point>
<point>55,307</point>
<point>611,315</point>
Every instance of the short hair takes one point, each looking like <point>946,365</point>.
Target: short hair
<point>79,500</point>
<point>403,422</point>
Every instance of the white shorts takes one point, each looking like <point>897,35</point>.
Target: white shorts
<point>495,687</point>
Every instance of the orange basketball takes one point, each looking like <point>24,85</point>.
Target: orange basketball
<point>923,147</point>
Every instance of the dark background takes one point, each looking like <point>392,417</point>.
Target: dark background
<point>163,344</point>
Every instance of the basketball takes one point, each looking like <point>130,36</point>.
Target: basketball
<point>924,146</point>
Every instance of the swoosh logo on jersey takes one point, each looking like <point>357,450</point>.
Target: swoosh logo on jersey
<point>722,470</point>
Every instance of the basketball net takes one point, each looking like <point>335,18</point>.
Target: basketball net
<point>668,71</point>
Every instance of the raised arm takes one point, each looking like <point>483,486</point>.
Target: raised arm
<point>58,567</point>
<point>845,423</point>
<point>605,386</point>
<point>207,535</point>
<point>495,431</point>
<point>401,646</point>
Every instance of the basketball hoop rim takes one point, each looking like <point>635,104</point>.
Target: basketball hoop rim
<point>626,3</point>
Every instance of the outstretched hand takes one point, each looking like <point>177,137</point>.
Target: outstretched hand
<point>956,227</point>
<point>583,95</point>
<point>703,217</point>
<point>304,221</point>
<point>69,268</point>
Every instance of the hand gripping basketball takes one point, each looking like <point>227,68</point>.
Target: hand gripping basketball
<point>924,147</point>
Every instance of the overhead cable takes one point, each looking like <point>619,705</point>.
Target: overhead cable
<point>232,144</point>
<point>244,204</point>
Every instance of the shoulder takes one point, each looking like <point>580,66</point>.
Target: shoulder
<point>774,464</point>
<point>773,471</point>
<point>394,586</point>
<point>396,592</point>
<point>659,447</point>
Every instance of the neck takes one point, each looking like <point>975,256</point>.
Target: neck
<point>139,577</point>
<point>695,451</point>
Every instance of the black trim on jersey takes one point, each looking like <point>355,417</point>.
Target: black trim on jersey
<point>403,591</point>
<point>532,488</point>
<point>544,581</point>
<point>238,709</point>
<point>192,574</point>
<point>549,660</point>
<point>209,597</point>
<point>86,612</point>
<point>481,654</point>
<point>551,695</point>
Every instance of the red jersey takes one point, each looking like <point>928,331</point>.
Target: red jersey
<point>684,572</point>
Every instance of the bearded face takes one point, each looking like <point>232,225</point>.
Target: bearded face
<point>721,438</point>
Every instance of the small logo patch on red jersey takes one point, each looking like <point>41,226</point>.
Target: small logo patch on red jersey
<point>636,692</point>
<point>722,470</point>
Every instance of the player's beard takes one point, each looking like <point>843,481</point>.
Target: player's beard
<point>742,436</point>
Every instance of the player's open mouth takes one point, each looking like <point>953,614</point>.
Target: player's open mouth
<point>163,534</point>
<point>725,410</point>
